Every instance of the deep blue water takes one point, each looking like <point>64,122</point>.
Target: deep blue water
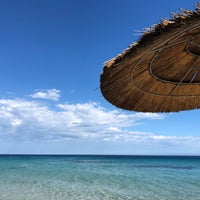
<point>25,177</point>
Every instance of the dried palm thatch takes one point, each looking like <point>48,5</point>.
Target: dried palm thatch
<point>161,71</point>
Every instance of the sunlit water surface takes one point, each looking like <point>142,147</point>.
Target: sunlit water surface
<point>99,178</point>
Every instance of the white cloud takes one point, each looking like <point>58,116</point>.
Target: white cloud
<point>33,120</point>
<point>113,129</point>
<point>51,94</point>
<point>149,116</point>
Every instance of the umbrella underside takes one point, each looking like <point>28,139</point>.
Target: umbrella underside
<point>160,75</point>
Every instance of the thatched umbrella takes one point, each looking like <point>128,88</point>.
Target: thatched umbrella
<point>161,71</point>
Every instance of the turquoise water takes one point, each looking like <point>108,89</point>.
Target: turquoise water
<point>99,177</point>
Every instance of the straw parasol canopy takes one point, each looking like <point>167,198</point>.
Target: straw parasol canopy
<point>161,71</point>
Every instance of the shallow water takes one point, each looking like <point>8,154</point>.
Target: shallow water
<point>99,177</point>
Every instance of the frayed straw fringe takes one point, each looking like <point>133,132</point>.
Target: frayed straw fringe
<point>177,20</point>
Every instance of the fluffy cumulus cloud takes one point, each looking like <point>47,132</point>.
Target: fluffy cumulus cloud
<point>35,120</point>
<point>51,94</point>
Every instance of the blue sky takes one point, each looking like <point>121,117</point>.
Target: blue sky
<point>51,57</point>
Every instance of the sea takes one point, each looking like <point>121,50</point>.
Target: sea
<point>99,177</point>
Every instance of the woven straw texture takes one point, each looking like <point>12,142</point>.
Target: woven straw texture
<point>161,71</point>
